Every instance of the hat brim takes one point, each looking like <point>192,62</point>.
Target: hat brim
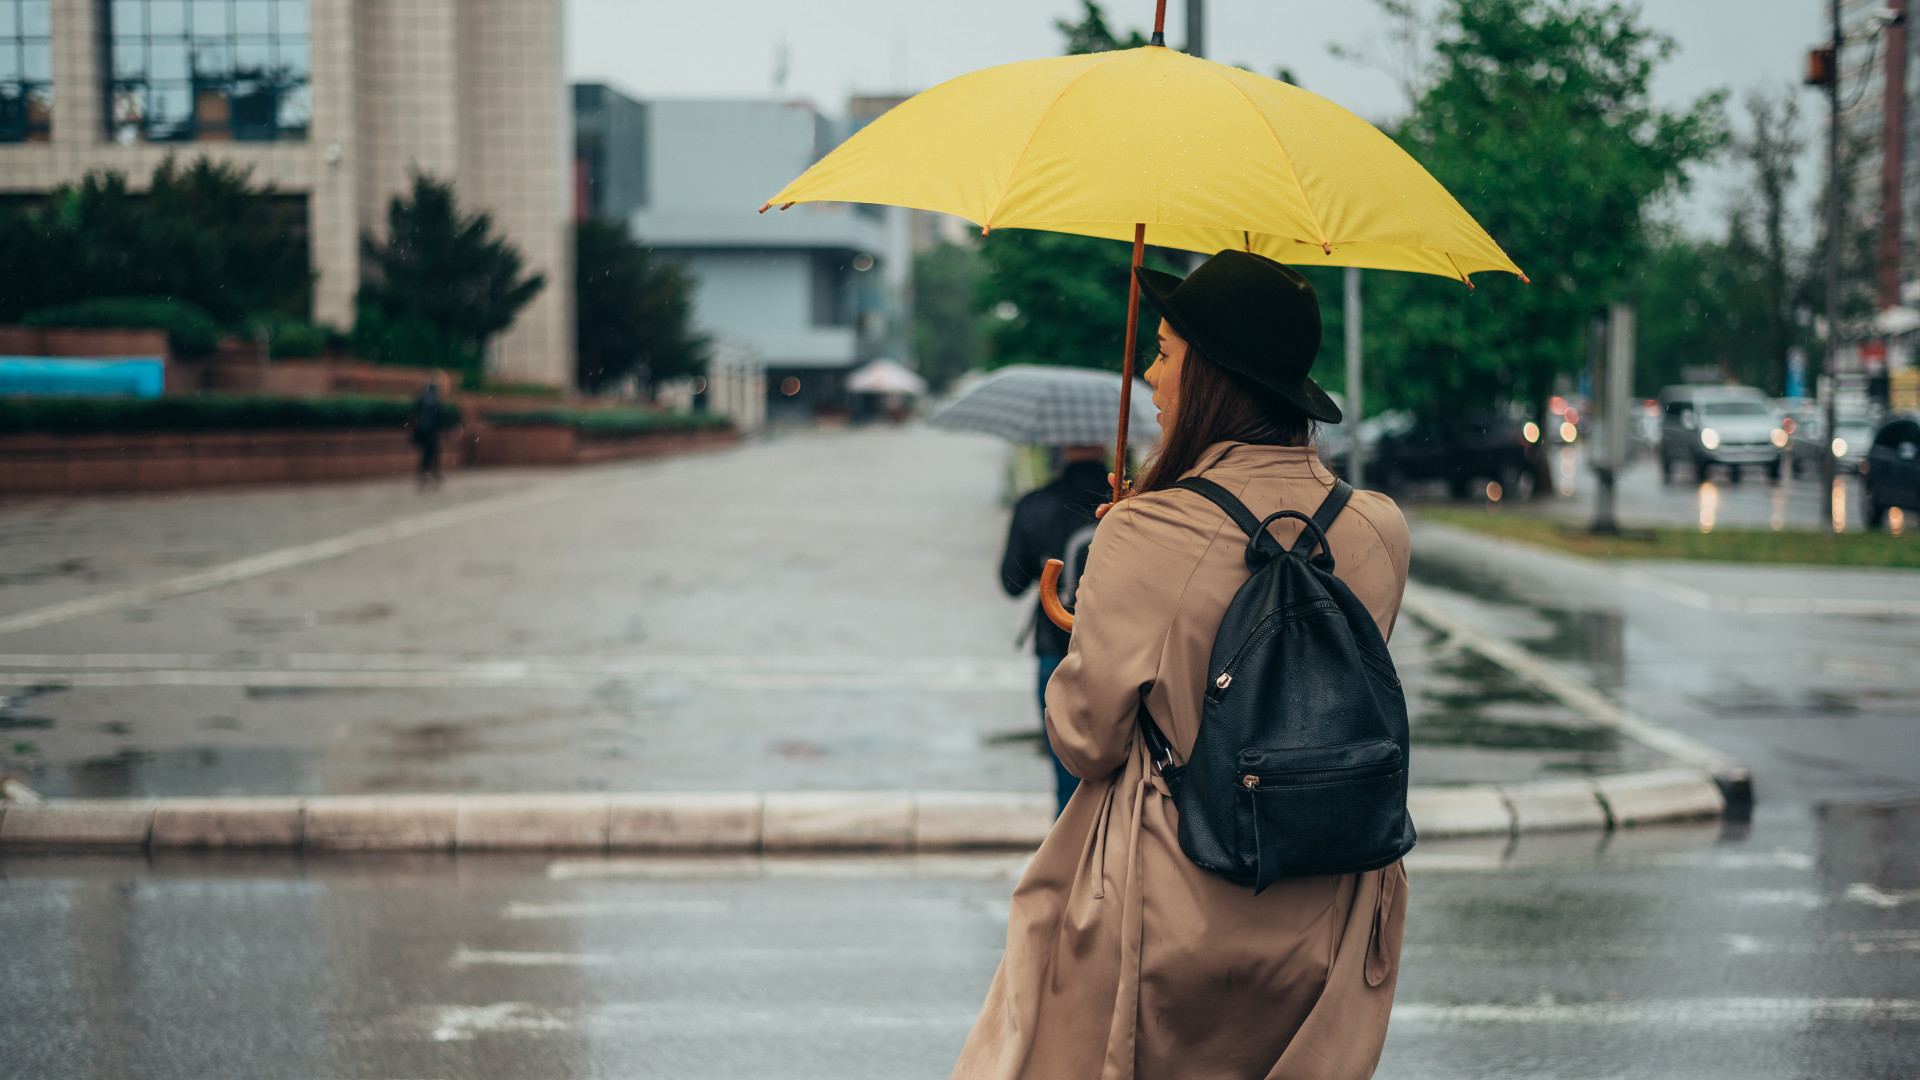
<point>1158,288</point>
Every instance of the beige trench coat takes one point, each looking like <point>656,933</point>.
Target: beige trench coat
<point>1123,958</point>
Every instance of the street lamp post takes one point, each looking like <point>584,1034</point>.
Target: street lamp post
<point>1827,382</point>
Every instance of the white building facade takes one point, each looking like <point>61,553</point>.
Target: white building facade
<point>811,292</point>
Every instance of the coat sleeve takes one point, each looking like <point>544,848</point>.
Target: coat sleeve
<point>1020,563</point>
<point>1143,555</point>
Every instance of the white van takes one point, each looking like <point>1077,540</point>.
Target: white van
<point>1705,426</point>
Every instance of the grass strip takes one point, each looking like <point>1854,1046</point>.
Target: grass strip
<point>1788,546</point>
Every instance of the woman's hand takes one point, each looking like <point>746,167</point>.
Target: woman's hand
<point>1125,493</point>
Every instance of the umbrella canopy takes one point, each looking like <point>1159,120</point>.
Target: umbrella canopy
<point>1047,406</point>
<point>1208,157</point>
<point>885,376</point>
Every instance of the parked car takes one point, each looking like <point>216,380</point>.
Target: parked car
<point>1705,426</point>
<point>1891,471</point>
<point>1460,449</point>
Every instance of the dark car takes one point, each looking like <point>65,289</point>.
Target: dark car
<point>1459,449</point>
<point>1891,471</point>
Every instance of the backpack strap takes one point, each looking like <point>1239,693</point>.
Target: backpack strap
<point>1330,508</point>
<point>1259,540</point>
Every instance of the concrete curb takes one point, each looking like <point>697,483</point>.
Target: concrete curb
<point>784,822</point>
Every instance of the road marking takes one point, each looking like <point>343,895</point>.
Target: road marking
<point>986,867</point>
<point>458,1023</point>
<point>1861,892</point>
<point>589,909</point>
<point>465,957</point>
<point>415,671</point>
<point>683,1018</point>
<point>288,558</point>
<point>1427,605</point>
<point>1865,943</point>
<point>1683,1013</point>
<point>1700,600</point>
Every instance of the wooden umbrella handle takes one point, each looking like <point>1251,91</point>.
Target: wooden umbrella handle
<point>1126,363</point>
<point>1050,595</point>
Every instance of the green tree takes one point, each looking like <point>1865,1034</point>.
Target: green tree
<point>204,234</point>
<point>948,330</point>
<point>439,285</point>
<point>634,313</point>
<point>1091,34</point>
<point>1536,116</point>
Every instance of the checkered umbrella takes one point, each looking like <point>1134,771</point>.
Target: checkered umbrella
<point>1048,406</point>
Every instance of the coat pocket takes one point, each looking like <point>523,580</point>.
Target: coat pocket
<point>1321,810</point>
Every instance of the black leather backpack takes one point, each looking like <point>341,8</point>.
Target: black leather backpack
<point>1300,766</point>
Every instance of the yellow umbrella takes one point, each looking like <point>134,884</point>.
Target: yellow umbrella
<point>1205,156</point>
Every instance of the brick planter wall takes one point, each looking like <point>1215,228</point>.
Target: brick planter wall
<point>51,464</point>
<point>560,444</point>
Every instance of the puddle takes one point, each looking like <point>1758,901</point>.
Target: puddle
<point>13,708</point>
<point>1595,636</point>
<point>1871,846</point>
<point>137,773</point>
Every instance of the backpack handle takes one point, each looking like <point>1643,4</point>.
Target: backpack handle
<point>1261,546</point>
<point>1311,536</point>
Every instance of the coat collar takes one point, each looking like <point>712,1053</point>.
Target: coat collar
<point>1238,458</point>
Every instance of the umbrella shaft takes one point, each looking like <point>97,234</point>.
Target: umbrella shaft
<point>1126,364</point>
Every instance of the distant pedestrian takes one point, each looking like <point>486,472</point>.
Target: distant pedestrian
<point>1125,959</point>
<point>1044,521</point>
<point>426,427</point>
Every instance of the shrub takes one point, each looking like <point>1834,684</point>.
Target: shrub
<point>190,330</point>
<point>615,423</point>
<point>296,339</point>
<point>212,412</point>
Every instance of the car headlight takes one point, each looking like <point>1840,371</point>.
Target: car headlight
<point>1779,437</point>
<point>1839,448</point>
<point>1709,438</point>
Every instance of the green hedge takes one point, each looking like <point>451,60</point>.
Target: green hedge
<point>190,331</point>
<point>211,412</point>
<point>615,423</point>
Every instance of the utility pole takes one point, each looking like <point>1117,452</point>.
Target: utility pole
<point>1196,27</point>
<point>1355,411</point>
<point>1829,362</point>
<point>1612,381</point>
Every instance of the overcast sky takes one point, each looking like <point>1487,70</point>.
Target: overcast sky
<point>731,48</point>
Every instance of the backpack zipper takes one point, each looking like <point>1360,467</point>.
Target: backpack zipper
<point>1310,777</point>
<point>1261,632</point>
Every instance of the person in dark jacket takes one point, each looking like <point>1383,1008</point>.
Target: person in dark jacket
<point>428,424</point>
<point>1043,521</point>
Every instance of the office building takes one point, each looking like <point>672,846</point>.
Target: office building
<point>812,292</point>
<point>336,102</point>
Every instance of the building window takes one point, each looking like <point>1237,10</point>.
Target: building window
<point>208,70</point>
<point>26,71</point>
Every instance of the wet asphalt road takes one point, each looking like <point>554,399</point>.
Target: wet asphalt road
<point>1788,946</point>
<point>819,610</point>
<point>1786,951</point>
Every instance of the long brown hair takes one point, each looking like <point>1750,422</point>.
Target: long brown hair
<point>1216,405</point>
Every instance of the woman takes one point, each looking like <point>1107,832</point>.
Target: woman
<point>1125,959</point>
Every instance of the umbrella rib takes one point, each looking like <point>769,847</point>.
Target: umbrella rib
<point>1284,156</point>
<point>1028,145</point>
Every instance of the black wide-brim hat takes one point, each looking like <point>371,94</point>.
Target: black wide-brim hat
<point>1251,315</point>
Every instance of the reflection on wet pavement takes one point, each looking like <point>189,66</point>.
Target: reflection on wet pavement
<point>1781,949</point>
